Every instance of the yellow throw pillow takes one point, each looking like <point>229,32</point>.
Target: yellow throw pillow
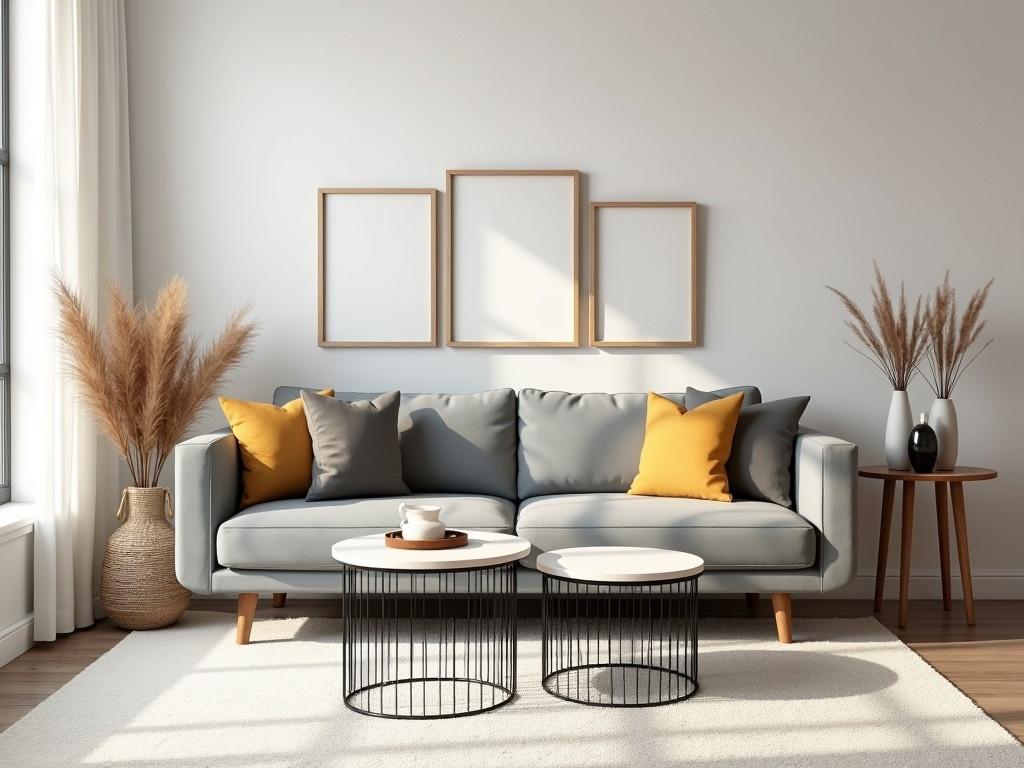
<point>684,452</point>
<point>277,451</point>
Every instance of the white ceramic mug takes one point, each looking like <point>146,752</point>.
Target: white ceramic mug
<point>421,522</point>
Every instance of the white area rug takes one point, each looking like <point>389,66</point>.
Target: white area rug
<point>847,694</point>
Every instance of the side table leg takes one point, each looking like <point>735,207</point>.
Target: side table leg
<point>907,536</point>
<point>960,524</point>
<point>884,530</point>
<point>942,514</point>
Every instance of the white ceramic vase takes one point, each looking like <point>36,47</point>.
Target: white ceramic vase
<point>942,417</point>
<point>897,431</point>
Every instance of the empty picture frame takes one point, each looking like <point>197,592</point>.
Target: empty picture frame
<point>643,274</point>
<point>512,258</point>
<point>377,258</point>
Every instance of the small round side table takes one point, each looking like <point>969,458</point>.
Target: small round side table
<point>955,480</point>
<point>429,633</point>
<point>619,625</point>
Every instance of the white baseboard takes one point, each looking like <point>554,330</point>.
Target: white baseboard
<point>15,639</point>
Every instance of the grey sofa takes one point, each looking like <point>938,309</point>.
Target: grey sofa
<point>552,467</point>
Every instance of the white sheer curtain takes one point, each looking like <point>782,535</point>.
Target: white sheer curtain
<point>84,198</point>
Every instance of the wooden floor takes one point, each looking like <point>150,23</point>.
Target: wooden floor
<point>986,661</point>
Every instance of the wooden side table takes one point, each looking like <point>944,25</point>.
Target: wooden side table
<point>955,479</point>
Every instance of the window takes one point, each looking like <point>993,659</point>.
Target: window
<point>5,263</point>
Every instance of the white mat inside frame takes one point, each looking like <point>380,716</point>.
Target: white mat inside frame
<point>847,694</point>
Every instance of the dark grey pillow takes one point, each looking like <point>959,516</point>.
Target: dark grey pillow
<point>762,447</point>
<point>355,447</point>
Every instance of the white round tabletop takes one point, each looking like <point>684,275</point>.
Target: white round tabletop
<point>484,549</point>
<point>619,564</point>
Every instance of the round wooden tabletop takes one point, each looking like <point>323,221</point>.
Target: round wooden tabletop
<point>956,475</point>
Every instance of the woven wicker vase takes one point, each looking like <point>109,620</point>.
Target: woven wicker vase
<point>137,583</point>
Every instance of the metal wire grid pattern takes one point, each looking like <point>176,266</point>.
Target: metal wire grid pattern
<point>619,644</point>
<point>444,646</point>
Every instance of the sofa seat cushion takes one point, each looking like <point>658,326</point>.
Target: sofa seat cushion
<point>296,535</point>
<point>739,535</point>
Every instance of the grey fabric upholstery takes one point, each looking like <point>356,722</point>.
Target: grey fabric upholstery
<point>229,582</point>
<point>355,447</point>
<point>713,582</point>
<point>748,535</point>
<point>762,448</point>
<point>207,489</point>
<point>585,443</point>
<point>451,443</point>
<point>294,534</point>
<point>825,492</point>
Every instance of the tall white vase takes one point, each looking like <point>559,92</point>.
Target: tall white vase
<point>897,431</point>
<point>942,417</point>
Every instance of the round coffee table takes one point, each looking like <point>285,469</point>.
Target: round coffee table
<point>619,625</point>
<point>429,633</point>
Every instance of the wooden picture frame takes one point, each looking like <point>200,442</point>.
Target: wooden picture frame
<point>371,220</point>
<point>640,307</point>
<point>508,234</point>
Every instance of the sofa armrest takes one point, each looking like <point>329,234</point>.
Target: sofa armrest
<point>825,492</point>
<point>206,484</point>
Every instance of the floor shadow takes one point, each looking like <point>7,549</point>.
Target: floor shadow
<point>788,675</point>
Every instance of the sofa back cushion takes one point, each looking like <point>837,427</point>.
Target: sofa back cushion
<point>452,443</point>
<point>586,443</point>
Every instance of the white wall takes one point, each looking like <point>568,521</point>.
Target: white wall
<point>816,136</point>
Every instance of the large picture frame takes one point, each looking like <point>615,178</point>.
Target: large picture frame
<point>376,267</point>
<point>512,258</point>
<point>643,274</point>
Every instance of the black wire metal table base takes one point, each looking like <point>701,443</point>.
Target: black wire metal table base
<point>429,644</point>
<point>619,644</point>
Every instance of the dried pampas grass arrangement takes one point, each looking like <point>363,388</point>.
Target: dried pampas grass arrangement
<point>898,341</point>
<point>141,376</point>
<point>952,337</point>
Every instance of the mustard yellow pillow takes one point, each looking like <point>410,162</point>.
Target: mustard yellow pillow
<point>684,452</point>
<point>277,451</point>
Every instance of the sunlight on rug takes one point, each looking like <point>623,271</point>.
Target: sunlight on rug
<point>847,694</point>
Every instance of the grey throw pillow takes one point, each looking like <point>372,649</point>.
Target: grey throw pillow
<point>355,447</point>
<point>762,447</point>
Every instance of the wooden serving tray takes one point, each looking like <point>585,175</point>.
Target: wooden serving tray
<point>451,540</point>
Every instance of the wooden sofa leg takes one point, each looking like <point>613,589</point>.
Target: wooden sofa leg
<point>753,600</point>
<point>782,604</point>
<point>280,598</point>
<point>246,613</point>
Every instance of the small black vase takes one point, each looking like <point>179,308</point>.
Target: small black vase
<point>923,446</point>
